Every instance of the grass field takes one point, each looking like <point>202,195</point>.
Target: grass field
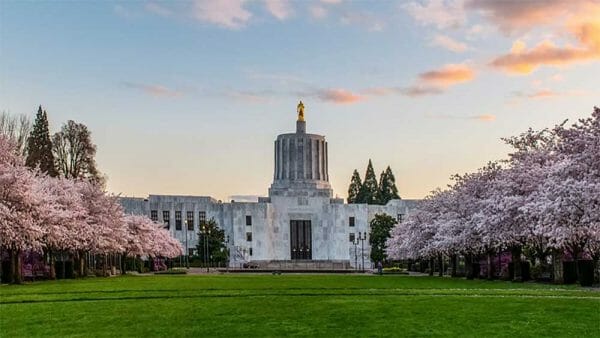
<point>321,305</point>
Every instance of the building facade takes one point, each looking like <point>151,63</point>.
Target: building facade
<point>299,220</point>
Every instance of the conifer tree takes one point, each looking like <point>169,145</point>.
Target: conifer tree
<point>354,188</point>
<point>39,145</point>
<point>387,187</point>
<point>369,189</point>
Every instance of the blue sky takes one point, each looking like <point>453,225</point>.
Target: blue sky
<point>187,97</point>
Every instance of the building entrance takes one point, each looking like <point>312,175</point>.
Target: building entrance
<point>300,239</point>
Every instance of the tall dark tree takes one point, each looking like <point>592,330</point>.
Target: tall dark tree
<point>217,248</point>
<point>381,226</point>
<point>39,145</point>
<point>354,188</point>
<point>387,187</point>
<point>74,152</point>
<point>369,189</point>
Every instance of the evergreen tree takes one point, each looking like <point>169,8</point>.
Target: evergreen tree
<point>381,226</point>
<point>217,248</point>
<point>354,188</point>
<point>369,189</point>
<point>387,187</point>
<point>39,146</point>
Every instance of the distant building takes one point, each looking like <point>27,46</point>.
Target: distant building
<point>299,221</point>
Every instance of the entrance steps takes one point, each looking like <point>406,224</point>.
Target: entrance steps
<point>297,266</point>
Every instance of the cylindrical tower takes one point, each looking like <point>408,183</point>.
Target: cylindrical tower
<point>300,163</point>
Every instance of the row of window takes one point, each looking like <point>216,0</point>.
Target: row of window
<point>166,215</point>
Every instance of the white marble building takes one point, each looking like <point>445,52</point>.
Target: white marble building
<point>298,223</point>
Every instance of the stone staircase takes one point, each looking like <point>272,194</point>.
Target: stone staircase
<point>303,265</point>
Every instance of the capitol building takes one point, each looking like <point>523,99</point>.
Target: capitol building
<point>297,224</point>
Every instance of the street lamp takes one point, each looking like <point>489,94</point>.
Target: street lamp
<point>362,248</point>
<point>227,250</point>
<point>206,231</point>
<point>187,251</point>
<point>355,242</point>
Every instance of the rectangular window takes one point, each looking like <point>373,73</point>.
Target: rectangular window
<point>190,220</point>
<point>351,221</point>
<point>177,220</point>
<point>250,251</point>
<point>249,236</point>
<point>400,218</point>
<point>201,217</point>
<point>154,215</point>
<point>352,237</point>
<point>167,219</point>
<point>248,220</point>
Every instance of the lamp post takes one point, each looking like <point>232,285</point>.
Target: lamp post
<point>227,251</point>
<point>206,231</point>
<point>187,251</point>
<point>355,242</point>
<point>362,248</point>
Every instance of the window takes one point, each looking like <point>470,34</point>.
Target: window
<point>201,217</point>
<point>250,251</point>
<point>154,215</point>
<point>190,220</point>
<point>167,219</point>
<point>190,252</point>
<point>248,220</point>
<point>177,220</point>
<point>249,237</point>
<point>399,218</point>
<point>351,221</point>
<point>352,237</point>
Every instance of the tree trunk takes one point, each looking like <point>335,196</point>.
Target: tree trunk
<point>16,267</point>
<point>123,263</point>
<point>431,266</point>
<point>557,270</point>
<point>469,266</point>
<point>440,265</point>
<point>516,260</point>
<point>490,265</point>
<point>52,262</point>
<point>82,268</point>
<point>453,264</point>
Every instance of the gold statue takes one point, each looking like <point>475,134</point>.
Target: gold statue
<point>300,111</point>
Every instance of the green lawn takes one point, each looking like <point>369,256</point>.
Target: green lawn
<point>321,305</point>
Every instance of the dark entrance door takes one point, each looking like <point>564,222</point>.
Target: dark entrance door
<point>300,239</point>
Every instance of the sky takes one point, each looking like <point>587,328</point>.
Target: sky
<point>187,97</point>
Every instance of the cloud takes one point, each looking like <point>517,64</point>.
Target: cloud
<point>224,13</point>
<point>448,43</point>
<point>338,96</point>
<point>549,93</point>
<point>440,13</point>
<point>520,60</point>
<point>511,16</point>
<point>583,26</point>
<point>157,9</point>
<point>153,89</point>
<point>448,75</point>
<point>482,117</point>
<point>244,198</point>
<point>371,22</point>
<point>281,9</point>
<point>317,12</point>
<point>416,91</point>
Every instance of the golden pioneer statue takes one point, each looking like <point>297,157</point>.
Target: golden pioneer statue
<point>300,111</point>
